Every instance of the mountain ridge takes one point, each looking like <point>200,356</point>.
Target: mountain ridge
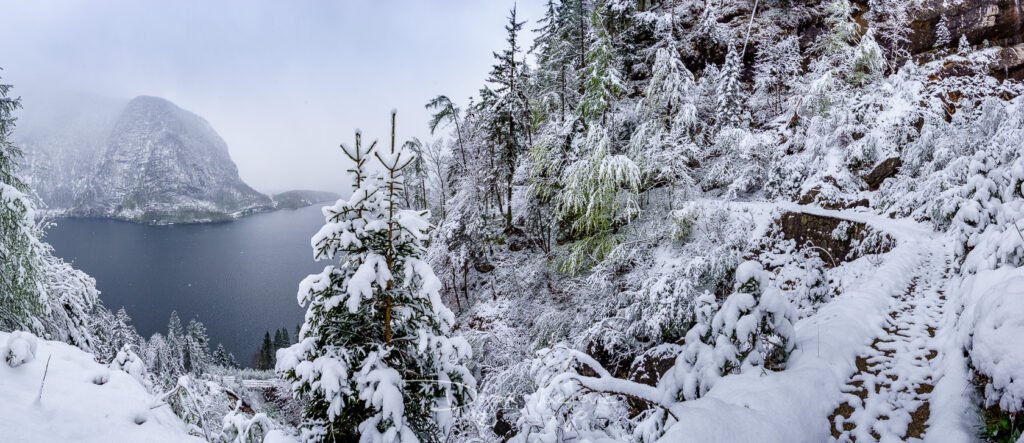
<point>147,160</point>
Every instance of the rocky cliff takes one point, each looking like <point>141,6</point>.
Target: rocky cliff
<point>163,164</point>
<point>147,161</point>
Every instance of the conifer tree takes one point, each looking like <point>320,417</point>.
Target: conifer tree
<point>222,358</point>
<point>21,306</point>
<point>729,92</point>
<point>868,63</point>
<point>942,36</point>
<point>842,31</point>
<point>777,67</point>
<point>374,360</point>
<point>600,190</point>
<point>963,46</point>
<point>602,81</point>
<point>197,348</point>
<point>509,122</point>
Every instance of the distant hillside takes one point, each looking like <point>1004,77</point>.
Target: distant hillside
<point>302,198</point>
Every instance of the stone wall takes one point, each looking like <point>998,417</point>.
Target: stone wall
<point>837,239</point>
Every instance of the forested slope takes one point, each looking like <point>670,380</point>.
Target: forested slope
<point>602,203</point>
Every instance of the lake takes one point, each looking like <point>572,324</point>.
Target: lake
<point>239,278</point>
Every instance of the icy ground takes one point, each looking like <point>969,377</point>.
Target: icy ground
<point>81,400</point>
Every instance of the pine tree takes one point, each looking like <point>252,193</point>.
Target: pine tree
<point>600,190</point>
<point>509,122</point>
<point>729,92</point>
<point>222,358</point>
<point>842,30</point>
<point>963,46</point>
<point>891,21</point>
<point>868,63</point>
<point>197,348</point>
<point>265,356</point>
<point>602,81</point>
<point>557,51</point>
<point>374,361</point>
<point>942,36</point>
<point>777,67</point>
<point>753,328</point>
<point>21,306</point>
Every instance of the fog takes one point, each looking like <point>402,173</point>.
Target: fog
<point>282,82</point>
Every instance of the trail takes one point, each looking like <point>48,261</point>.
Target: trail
<point>888,398</point>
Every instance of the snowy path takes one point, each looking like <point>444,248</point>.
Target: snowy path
<point>888,399</point>
<point>865,363</point>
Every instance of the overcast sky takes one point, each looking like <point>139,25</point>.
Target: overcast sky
<point>283,82</point>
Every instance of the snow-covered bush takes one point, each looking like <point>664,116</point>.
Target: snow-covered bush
<point>753,327</point>
<point>240,427</point>
<point>128,361</point>
<point>19,349</point>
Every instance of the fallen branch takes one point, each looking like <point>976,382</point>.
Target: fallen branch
<point>39,398</point>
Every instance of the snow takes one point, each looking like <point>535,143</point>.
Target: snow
<point>793,405</point>
<point>20,349</point>
<point>992,325</point>
<point>82,401</point>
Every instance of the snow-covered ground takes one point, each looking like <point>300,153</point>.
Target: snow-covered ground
<point>81,400</point>
<point>794,405</point>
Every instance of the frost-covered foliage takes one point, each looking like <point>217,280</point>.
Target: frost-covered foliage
<point>654,129</point>
<point>374,361</point>
<point>38,291</point>
<point>753,327</point>
<point>599,191</point>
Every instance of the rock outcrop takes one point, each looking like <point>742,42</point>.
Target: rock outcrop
<point>163,164</point>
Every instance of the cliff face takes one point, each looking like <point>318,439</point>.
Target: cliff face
<point>147,161</point>
<point>163,164</point>
<point>999,22</point>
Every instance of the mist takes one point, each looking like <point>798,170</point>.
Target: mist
<point>282,82</point>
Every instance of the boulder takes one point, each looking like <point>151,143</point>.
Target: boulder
<point>886,169</point>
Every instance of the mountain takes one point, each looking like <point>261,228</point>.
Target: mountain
<point>61,136</point>
<point>163,164</point>
<point>147,161</point>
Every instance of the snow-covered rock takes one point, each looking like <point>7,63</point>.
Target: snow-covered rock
<point>79,400</point>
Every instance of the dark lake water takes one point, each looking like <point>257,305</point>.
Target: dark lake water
<point>238,278</point>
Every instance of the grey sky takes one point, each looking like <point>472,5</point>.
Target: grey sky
<point>282,81</point>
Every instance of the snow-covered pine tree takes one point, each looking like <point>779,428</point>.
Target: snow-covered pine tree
<point>891,20</point>
<point>599,190</point>
<point>842,31</point>
<point>554,82</point>
<point>602,81</point>
<point>963,46</point>
<point>221,358</point>
<point>197,348</point>
<point>668,121</point>
<point>509,123</point>
<point>447,112</point>
<point>417,178</point>
<point>374,360</point>
<point>752,328</point>
<point>729,92</point>
<point>868,63</point>
<point>942,36</point>
<point>777,67</point>
<point>20,273</point>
